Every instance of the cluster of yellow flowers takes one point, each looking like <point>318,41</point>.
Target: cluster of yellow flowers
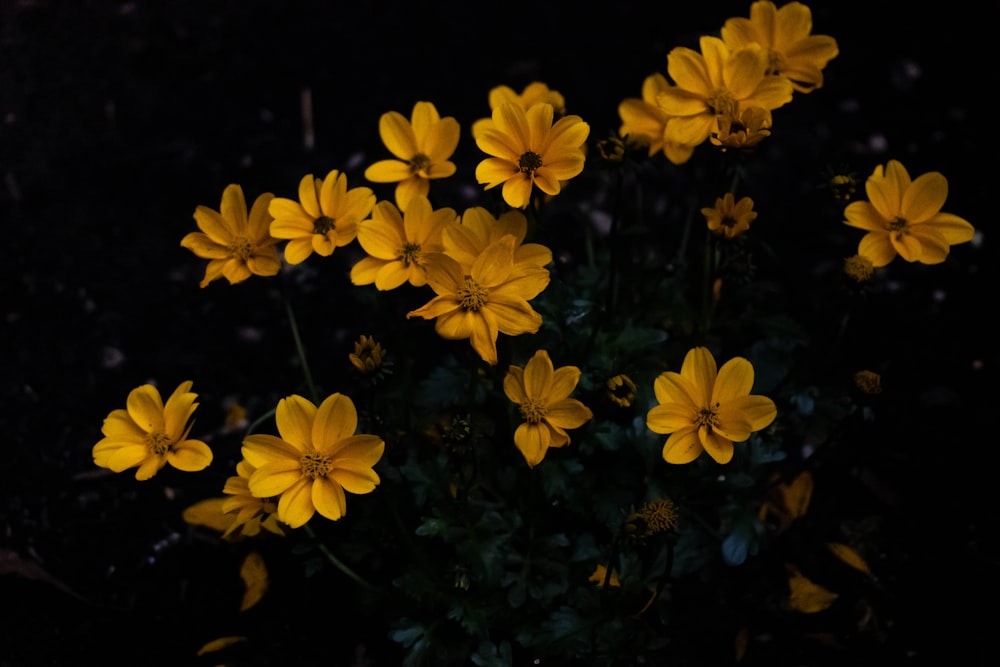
<point>484,273</point>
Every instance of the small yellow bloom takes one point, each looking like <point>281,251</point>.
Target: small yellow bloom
<point>718,80</point>
<point>729,217</point>
<point>464,240</point>
<point>398,243</point>
<point>488,299</point>
<point>745,131</point>
<point>325,217</point>
<point>542,392</point>
<point>315,460</point>
<point>237,245</point>
<point>903,217</point>
<point>869,382</point>
<point>643,122</point>
<point>792,52</point>
<point>859,268</point>
<point>148,434</point>
<point>248,513</point>
<point>423,147</point>
<point>527,149</point>
<point>705,409</point>
<point>621,390</point>
<point>805,595</point>
<point>367,355</point>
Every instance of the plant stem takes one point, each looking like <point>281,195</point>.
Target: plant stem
<point>300,349</point>
<point>336,562</point>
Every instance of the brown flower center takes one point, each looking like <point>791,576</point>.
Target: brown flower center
<point>532,410</point>
<point>419,165</point>
<point>314,465</point>
<point>722,103</point>
<point>158,443</point>
<point>323,225</point>
<point>529,162</point>
<point>708,416</point>
<point>241,248</point>
<point>472,296</point>
<point>411,254</point>
<point>899,226</point>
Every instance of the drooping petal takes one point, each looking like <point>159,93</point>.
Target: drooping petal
<point>533,441</point>
<point>718,447</point>
<point>877,247</point>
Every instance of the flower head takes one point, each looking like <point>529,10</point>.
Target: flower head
<point>325,217</point>
<point>489,298</point>
<point>903,217</point>
<point>367,355</point>
<point>315,460</point>
<point>729,217</point>
<point>705,409</point>
<point>858,268</point>
<point>717,81</point>
<point>745,131</point>
<point>656,516</point>
<point>621,390</point>
<point>423,147</point>
<point>792,52</point>
<point>397,243</point>
<point>527,149</point>
<point>465,239</point>
<point>249,513</point>
<point>149,434</point>
<point>237,245</point>
<point>541,393</point>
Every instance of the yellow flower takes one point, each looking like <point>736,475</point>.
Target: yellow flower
<point>805,595</point>
<point>859,268</point>
<point>326,216</point>
<point>657,516</point>
<point>236,245</point>
<point>643,122</point>
<point>248,513</point>
<point>489,298</point>
<point>707,410</point>
<point>465,240</point>
<point>792,52</point>
<point>621,390</point>
<point>367,355</point>
<point>717,81</point>
<point>728,217</point>
<point>423,145</point>
<point>869,382</point>
<point>534,93</point>
<point>541,392</point>
<point>148,434</point>
<point>397,243</point>
<point>528,149</point>
<point>904,217</point>
<point>745,131</point>
<point>315,460</point>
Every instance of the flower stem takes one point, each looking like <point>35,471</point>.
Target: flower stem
<point>336,562</point>
<point>300,349</point>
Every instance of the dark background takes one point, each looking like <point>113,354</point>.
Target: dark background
<point>118,118</point>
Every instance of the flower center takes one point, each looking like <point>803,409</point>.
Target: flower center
<point>315,465</point>
<point>899,225</point>
<point>529,162</point>
<point>532,411</point>
<point>708,416</point>
<point>420,164</point>
<point>722,103</point>
<point>158,443</point>
<point>323,224</point>
<point>728,221</point>
<point>775,63</point>
<point>473,295</point>
<point>411,254</point>
<point>241,248</point>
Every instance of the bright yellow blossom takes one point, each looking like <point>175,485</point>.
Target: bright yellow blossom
<point>315,460</point>
<point>542,394</point>
<point>532,94</point>
<point>705,409</point>
<point>729,217</point>
<point>325,217</point>
<point>745,131</point>
<point>904,217</point>
<point>792,52</point>
<point>643,121</point>
<point>716,81</point>
<point>489,298</point>
<point>423,147</point>
<point>397,243</point>
<point>236,245</point>
<point>465,240</point>
<point>148,434</point>
<point>527,149</point>
<point>249,513</point>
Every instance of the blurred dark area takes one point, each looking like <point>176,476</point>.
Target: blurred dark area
<point>118,118</point>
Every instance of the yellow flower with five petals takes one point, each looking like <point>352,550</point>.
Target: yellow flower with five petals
<point>705,408</point>
<point>903,217</point>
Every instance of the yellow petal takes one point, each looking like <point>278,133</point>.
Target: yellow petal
<point>295,507</point>
<point>849,556</point>
<point>145,407</point>
<point>397,135</point>
<point>808,597</point>
<point>682,446</point>
<point>335,420</point>
<point>717,446</point>
<point>533,441</point>
<point>219,644</point>
<point>328,499</point>
<point>295,416</point>
<point>924,198</point>
<point>253,571</point>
